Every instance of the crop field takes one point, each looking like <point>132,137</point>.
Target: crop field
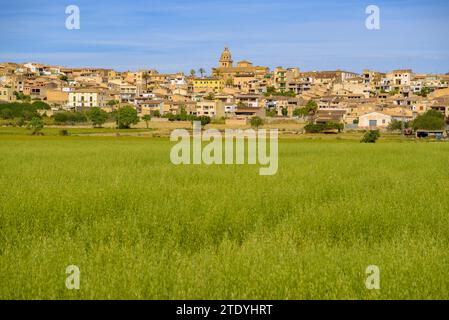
<point>140,227</point>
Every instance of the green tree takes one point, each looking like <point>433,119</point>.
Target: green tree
<point>210,97</point>
<point>202,71</point>
<point>146,118</point>
<point>64,78</point>
<point>127,116</point>
<point>284,112</point>
<point>112,103</point>
<point>393,92</point>
<point>256,122</point>
<point>425,92</point>
<point>311,107</point>
<point>205,120</point>
<point>192,72</point>
<point>97,116</point>
<point>6,113</point>
<point>300,112</point>
<point>431,120</point>
<point>155,113</point>
<point>37,125</point>
<point>396,125</point>
<point>22,97</point>
<point>40,105</point>
<point>145,77</point>
<point>271,113</point>
<point>20,122</point>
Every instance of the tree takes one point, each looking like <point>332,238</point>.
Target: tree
<point>370,136</point>
<point>192,72</point>
<point>146,118</point>
<point>40,105</point>
<point>126,116</point>
<point>210,97</point>
<point>300,112</point>
<point>37,125</point>
<point>256,122</point>
<point>284,112</point>
<point>69,117</point>
<point>20,122</point>
<point>202,72</point>
<point>431,120</point>
<point>22,97</point>
<point>155,113</point>
<point>393,92</point>
<point>425,92</point>
<point>322,127</point>
<point>271,113</point>
<point>204,120</point>
<point>241,105</point>
<point>112,103</point>
<point>397,125</point>
<point>97,116</point>
<point>145,77</point>
<point>6,113</point>
<point>64,78</point>
<point>311,107</point>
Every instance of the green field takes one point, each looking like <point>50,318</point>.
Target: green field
<point>141,228</point>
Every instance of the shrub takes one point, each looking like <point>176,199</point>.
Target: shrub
<point>155,113</point>
<point>37,125</point>
<point>6,114</point>
<point>271,113</point>
<point>256,122</point>
<point>204,120</point>
<point>64,132</point>
<point>20,122</point>
<point>320,127</point>
<point>314,128</point>
<point>370,136</point>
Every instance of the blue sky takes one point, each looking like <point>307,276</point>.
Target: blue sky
<point>175,35</point>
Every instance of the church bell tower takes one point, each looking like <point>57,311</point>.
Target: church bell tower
<point>226,59</point>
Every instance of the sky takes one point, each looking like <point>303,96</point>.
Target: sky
<point>180,35</point>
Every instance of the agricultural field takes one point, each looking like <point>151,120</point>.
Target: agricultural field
<point>140,227</point>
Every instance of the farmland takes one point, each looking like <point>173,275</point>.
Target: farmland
<point>139,227</point>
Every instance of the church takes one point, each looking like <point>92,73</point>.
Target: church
<point>227,71</point>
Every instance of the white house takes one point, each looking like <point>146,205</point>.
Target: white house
<point>374,120</point>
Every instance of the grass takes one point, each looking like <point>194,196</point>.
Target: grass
<point>139,227</point>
